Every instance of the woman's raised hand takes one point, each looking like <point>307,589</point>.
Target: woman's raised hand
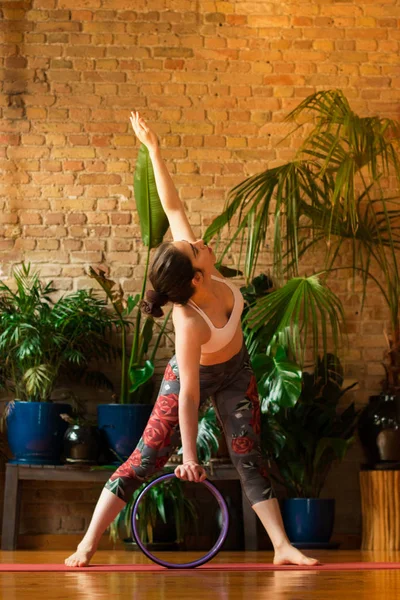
<point>143,131</point>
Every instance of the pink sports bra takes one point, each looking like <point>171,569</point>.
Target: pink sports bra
<point>221,336</point>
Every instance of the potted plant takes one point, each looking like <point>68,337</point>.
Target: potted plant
<point>300,426</point>
<point>41,339</point>
<point>304,436</point>
<point>122,422</point>
<point>157,529</point>
<point>333,198</point>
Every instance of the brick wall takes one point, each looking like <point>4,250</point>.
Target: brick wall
<point>215,79</point>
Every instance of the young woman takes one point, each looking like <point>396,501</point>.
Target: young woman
<point>211,360</point>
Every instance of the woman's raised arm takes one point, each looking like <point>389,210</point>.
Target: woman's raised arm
<point>172,204</point>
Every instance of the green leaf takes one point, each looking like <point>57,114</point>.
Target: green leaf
<point>139,375</point>
<point>147,334</point>
<point>131,302</point>
<point>300,312</point>
<point>278,379</point>
<point>152,218</point>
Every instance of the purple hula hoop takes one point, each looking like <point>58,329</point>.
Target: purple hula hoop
<point>196,563</point>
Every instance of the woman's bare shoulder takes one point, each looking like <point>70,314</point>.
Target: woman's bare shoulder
<point>189,323</point>
<point>184,315</point>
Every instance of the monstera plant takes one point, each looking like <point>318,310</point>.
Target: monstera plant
<point>306,438</point>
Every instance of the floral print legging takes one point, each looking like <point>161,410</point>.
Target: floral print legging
<point>233,389</point>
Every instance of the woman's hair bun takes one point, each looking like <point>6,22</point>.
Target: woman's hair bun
<point>152,306</point>
<point>157,297</point>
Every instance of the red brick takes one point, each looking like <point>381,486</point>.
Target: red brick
<point>121,219</point>
<point>30,218</point>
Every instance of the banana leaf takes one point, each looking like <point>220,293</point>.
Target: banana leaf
<point>153,220</point>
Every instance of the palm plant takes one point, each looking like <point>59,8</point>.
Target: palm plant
<point>136,369</point>
<point>41,339</point>
<point>333,195</point>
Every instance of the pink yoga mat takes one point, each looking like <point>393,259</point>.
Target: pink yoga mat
<point>355,566</point>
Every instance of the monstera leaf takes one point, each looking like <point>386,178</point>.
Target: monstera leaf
<point>153,220</point>
<point>279,380</point>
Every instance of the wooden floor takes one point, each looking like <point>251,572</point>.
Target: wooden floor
<point>193,585</point>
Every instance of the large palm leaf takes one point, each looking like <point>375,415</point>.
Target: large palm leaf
<point>301,314</point>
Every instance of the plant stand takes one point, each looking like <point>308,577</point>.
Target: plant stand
<point>16,472</point>
<point>380,508</point>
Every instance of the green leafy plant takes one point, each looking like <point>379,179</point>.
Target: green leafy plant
<point>40,339</point>
<point>208,434</point>
<point>136,369</point>
<point>301,310</point>
<point>304,439</point>
<point>137,366</point>
<point>332,197</point>
<point>152,507</point>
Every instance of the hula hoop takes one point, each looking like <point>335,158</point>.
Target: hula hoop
<point>200,561</point>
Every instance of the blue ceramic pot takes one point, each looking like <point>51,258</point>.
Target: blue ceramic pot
<point>308,519</point>
<point>122,425</point>
<point>35,431</point>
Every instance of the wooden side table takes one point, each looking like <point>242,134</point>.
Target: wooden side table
<point>380,509</point>
<point>16,472</point>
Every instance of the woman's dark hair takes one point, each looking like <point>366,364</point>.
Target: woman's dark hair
<point>171,275</point>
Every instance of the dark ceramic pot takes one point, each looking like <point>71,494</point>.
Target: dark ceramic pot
<point>121,427</point>
<point>82,444</point>
<point>309,519</point>
<point>379,429</point>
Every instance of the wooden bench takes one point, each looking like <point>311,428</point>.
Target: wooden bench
<point>17,472</point>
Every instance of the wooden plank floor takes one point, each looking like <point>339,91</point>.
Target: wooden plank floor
<point>193,585</point>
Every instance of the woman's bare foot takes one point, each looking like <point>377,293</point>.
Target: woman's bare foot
<point>289,555</point>
<point>81,557</point>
